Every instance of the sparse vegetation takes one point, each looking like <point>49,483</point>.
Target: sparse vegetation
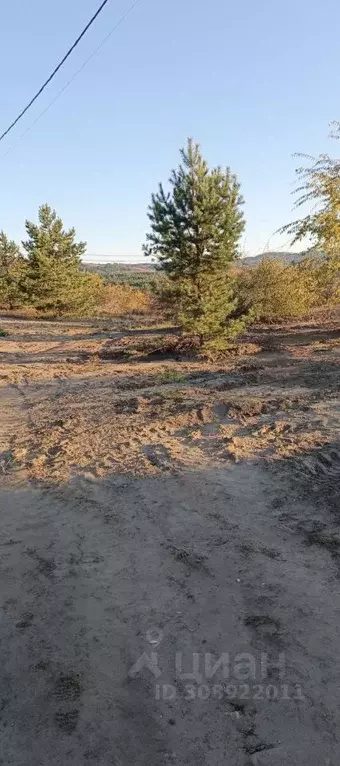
<point>120,455</point>
<point>171,376</point>
<point>198,281</point>
<point>170,430</point>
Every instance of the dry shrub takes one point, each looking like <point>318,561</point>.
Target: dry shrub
<point>119,300</point>
<point>24,312</point>
<point>327,274</point>
<point>274,289</point>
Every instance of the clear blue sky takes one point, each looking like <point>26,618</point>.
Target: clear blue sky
<point>252,81</point>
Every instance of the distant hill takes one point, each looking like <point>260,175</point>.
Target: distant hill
<point>278,255</point>
<point>142,274</point>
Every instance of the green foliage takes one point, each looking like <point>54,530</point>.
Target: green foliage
<point>194,235</point>
<point>326,276</point>
<point>320,186</point>
<point>12,270</point>
<point>199,223</point>
<point>51,240</point>
<point>166,293</point>
<point>205,307</point>
<point>54,281</point>
<point>3,332</point>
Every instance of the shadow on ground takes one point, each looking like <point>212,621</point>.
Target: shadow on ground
<point>114,592</point>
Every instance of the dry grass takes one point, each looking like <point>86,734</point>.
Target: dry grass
<point>122,300</point>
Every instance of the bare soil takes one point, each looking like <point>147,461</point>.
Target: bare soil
<point>159,515</point>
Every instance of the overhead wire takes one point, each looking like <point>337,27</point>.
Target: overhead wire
<point>71,80</point>
<point>52,75</point>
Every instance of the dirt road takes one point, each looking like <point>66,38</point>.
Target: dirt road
<point>170,554</point>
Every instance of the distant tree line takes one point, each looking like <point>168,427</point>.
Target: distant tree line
<point>114,273</point>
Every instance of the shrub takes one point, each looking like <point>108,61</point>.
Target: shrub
<point>85,297</point>
<point>274,289</point>
<point>327,275</point>
<point>171,376</point>
<point>119,300</point>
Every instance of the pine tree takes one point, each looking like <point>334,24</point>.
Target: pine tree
<point>55,281</point>
<point>194,236</point>
<point>12,268</point>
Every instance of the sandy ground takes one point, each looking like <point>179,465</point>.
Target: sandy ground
<point>170,549</point>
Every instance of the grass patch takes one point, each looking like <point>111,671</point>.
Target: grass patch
<point>171,376</point>
<point>3,332</point>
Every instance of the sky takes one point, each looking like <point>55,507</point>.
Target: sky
<point>252,81</point>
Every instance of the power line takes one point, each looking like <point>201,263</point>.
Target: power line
<point>88,25</point>
<point>70,81</point>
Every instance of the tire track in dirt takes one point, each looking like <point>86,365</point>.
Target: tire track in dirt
<point>14,420</point>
